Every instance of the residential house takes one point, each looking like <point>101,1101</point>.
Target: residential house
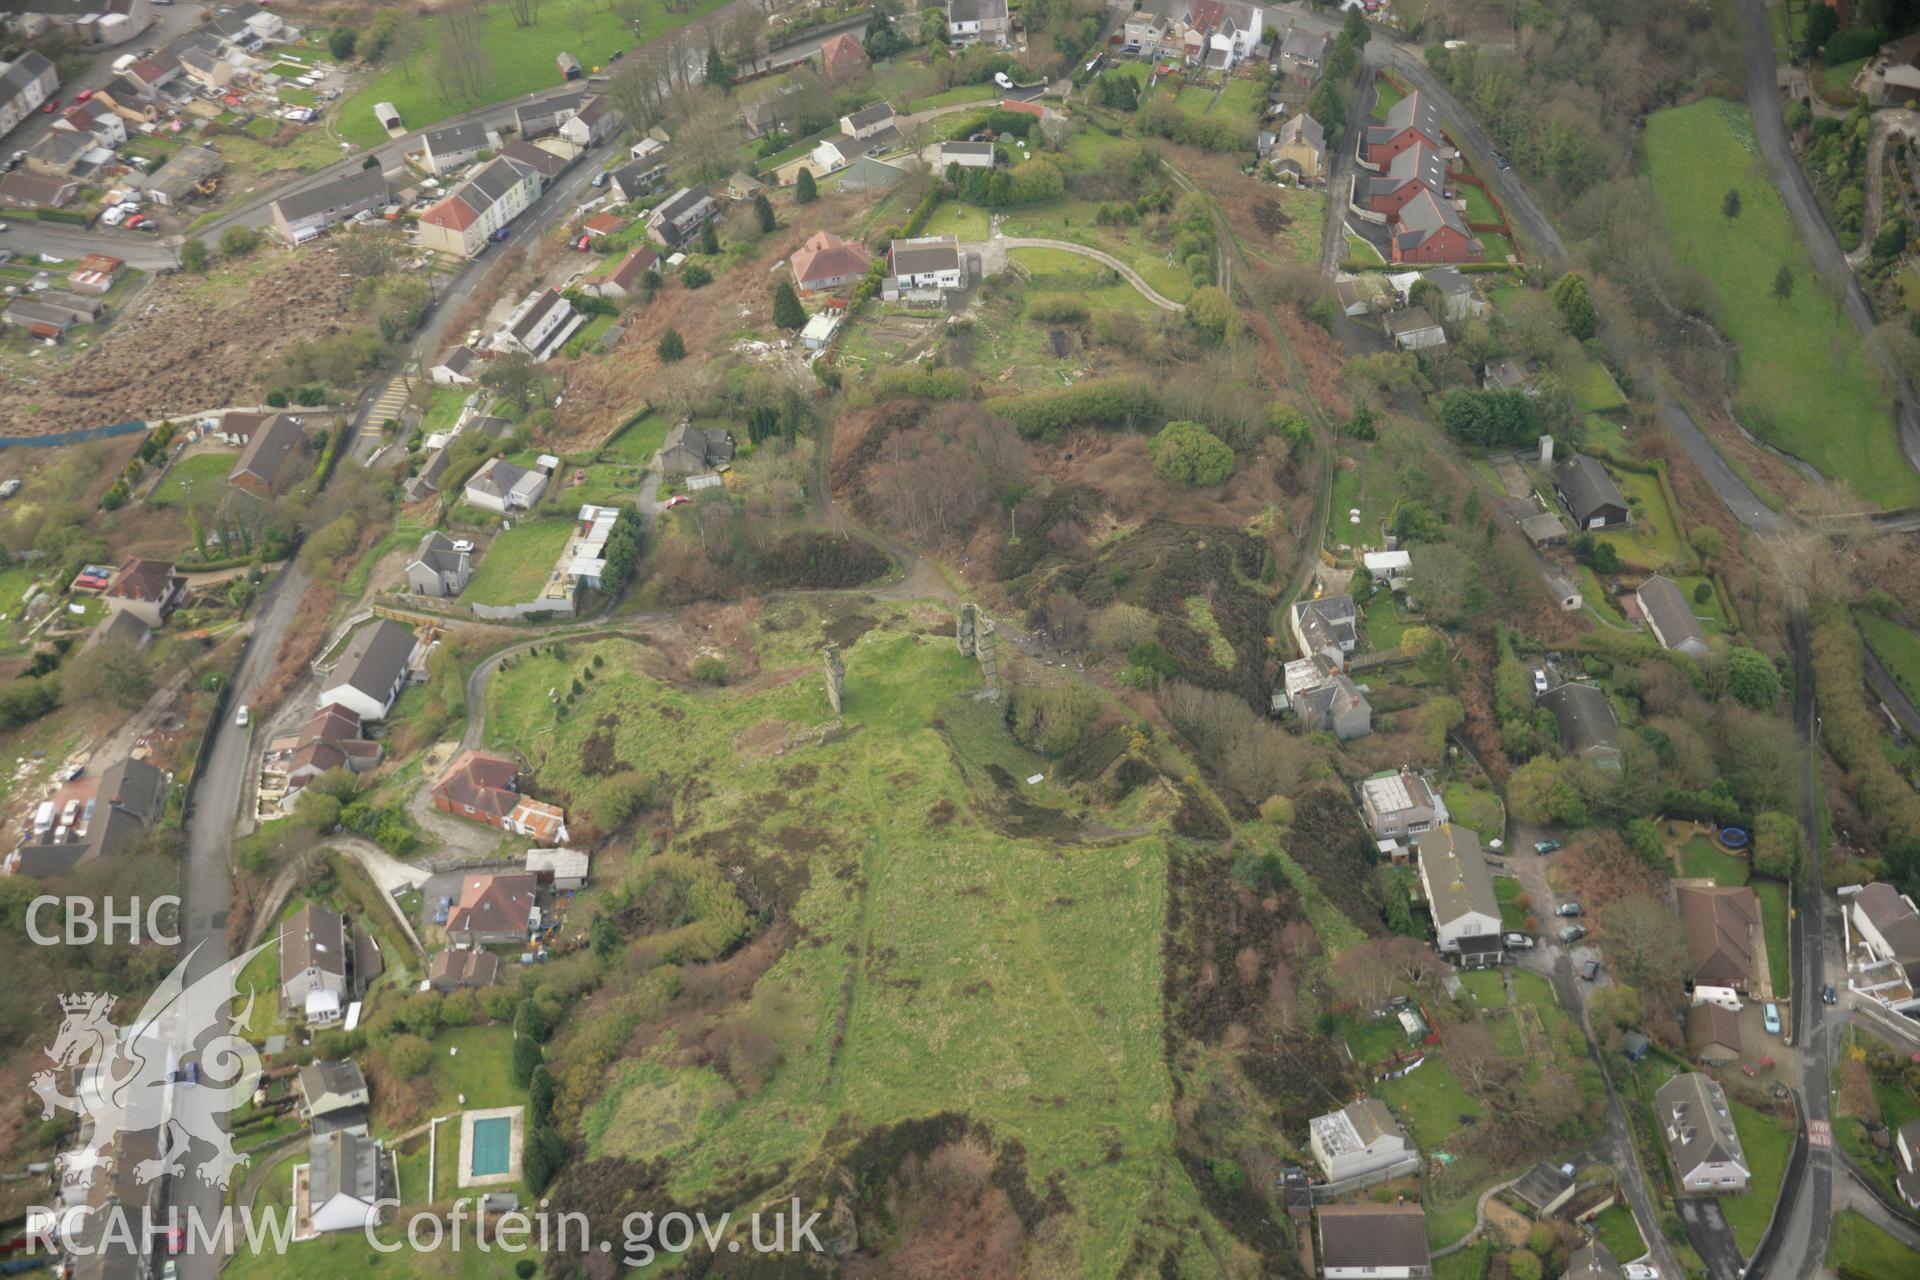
<point>1324,701</point>
<point>971,22</point>
<point>1300,148</point>
<point>494,910</point>
<point>1463,301</point>
<point>1325,628</point>
<point>462,967</point>
<point>869,174</point>
<point>869,121</point>
<point>765,115</point>
<point>1589,494</point>
<point>484,787</point>
<point>189,172</point>
<point>1373,1242</point>
<point>1886,930</point>
<point>332,738</point>
<point>111,813</point>
<point>1696,1127</point>
<point>1508,373</point>
<point>690,451</point>
<point>844,58</point>
<point>548,162</point>
<point>565,870</point>
<point>148,589</point>
<point>95,120</point>
<point>480,208</point>
<point>1400,805</point>
<point>376,665</point>
<point>347,1179</point>
<point>1415,329</point>
<point>636,179</point>
<point>25,84</point>
<point>120,627</point>
<point>457,366</point>
<point>538,119</point>
<point>1429,229</point>
<point>1588,727</point>
<point>623,279</point>
<point>968,155</point>
<point>1459,893</point>
<point>271,459</point>
<point>57,152</point>
<point>1721,924</point>
<point>1412,121</point>
<point>593,124</point>
<point>331,1095</point>
<point>24,190</point>
<point>826,263</point>
<point>440,567</point>
<point>1546,1187</point>
<point>326,963</point>
<point>236,427</point>
<point>1670,616</point>
<point>929,263</point>
<point>1419,168</point>
<point>1906,1175</point>
<point>676,220</point>
<point>1146,28</point>
<point>1713,1034</point>
<point>1303,54</point>
<point>454,147</point>
<point>302,215</point>
<point>1592,1261</point>
<point>206,68</point>
<point>539,326</point>
<point>95,273</point>
<point>502,487</point>
<point>155,72</point>
<point>1361,1141</point>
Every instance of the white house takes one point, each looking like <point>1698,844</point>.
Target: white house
<point>1459,892</point>
<point>345,1172</point>
<point>971,22</point>
<point>480,208</point>
<point>456,366</point>
<point>930,262</point>
<point>504,488</point>
<point>539,326</point>
<point>1360,1141</point>
<point>454,147</point>
<point>376,665</point>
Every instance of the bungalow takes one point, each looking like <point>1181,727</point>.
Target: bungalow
<point>301,216</point>
<point>623,280</point>
<point>462,967</point>
<point>1398,805</point>
<point>539,326</point>
<point>1415,329</point>
<point>967,155</point>
<point>440,567</point>
<point>826,262</point>
<point>971,22</point>
<point>1697,1130</point>
<point>930,262</point>
<point>868,121</point>
<point>1670,617</point>
<point>1412,121</point>
<point>270,461</point>
<point>690,451</point>
<point>24,190</point>
<point>1300,148</point>
<point>148,589</point>
<point>331,1095</point>
<point>1373,1242</point>
<point>377,664</point>
<point>1360,1143</point>
<point>348,1179</point>
<point>678,218</point>
<point>1722,927</point>
<point>456,366</point>
<point>453,147</point>
<point>1589,494</point>
<point>502,487</point>
<point>494,910</point>
<point>843,59</point>
<point>485,788</point>
<point>1325,628</point>
<point>1588,727</point>
<point>480,208</point>
<point>1459,893</point>
<point>1429,229</point>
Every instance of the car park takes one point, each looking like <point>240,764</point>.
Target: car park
<point>1569,909</point>
<point>1770,1015</point>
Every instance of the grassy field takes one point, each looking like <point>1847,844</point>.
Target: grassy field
<point>1593,388</point>
<point>955,96</point>
<point>1507,889</point>
<point>1773,925</point>
<point>1766,1146</point>
<point>520,60</point>
<point>636,444</point>
<point>1476,808</point>
<point>952,218</point>
<point>1242,98</point>
<point>1868,1250</point>
<point>1897,648</point>
<point>517,563</point>
<point>1805,381</point>
<point>964,966</point>
<point>1140,247</point>
<point>1652,541</point>
<point>1431,1103</point>
<point>1702,859</point>
<point>1620,1233</point>
<point>198,481</point>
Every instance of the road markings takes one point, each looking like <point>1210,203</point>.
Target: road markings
<point>1819,1133</point>
<point>390,403</point>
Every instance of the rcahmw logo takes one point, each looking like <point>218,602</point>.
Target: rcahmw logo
<point>82,928</point>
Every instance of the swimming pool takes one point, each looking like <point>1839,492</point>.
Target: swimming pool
<point>492,1143</point>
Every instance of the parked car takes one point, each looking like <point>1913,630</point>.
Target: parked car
<point>1771,1016</point>
<point>85,95</point>
<point>113,217</point>
<point>240,721</point>
<point>1002,79</point>
<point>584,243</point>
<point>1639,1271</point>
<point>678,500</point>
<point>1545,846</point>
<point>10,487</point>
<point>1590,971</point>
<point>1573,933</point>
<point>1829,995</point>
<point>1539,680</point>
<point>501,234</point>
<point>464,544</point>
<point>1569,909</point>
<point>52,105</point>
<point>600,178</point>
<point>137,221</point>
<point>1517,941</point>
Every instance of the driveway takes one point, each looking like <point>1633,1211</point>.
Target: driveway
<point>1711,1237</point>
<point>993,260</point>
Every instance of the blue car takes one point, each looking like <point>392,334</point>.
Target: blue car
<point>1772,1012</point>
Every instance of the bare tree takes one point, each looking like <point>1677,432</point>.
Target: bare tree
<point>635,94</point>
<point>740,42</point>
<point>525,13</point>
<point>371,252</point>
<point>1475,1058</point>
<point>1645,941</point>
<point>1299,941</point>
<point>463,61</point>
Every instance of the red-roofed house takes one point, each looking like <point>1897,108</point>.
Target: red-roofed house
<point>494,909</point>
<point>486,788</point>
<point>827,262</point>
<point>95,273</point>
<point>842,58</point>
<point>603,224</point>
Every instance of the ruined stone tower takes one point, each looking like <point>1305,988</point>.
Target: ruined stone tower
<point>965,628</point>
<point>836,677</point>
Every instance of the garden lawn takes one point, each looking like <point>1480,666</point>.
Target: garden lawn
<point>1507,889</point>
<point>520,60</point>
<point>1897,648</point>
<point>952,218</point>
<point>1488,987</point>
<point>1773,925</point>
<point>1701,859</point>
<point>1242,98</point>
<point>1381,623</point>
<point>517,562</point>
<point>964,966</point>
<point>1467,1264</point>
<point>1140,247</point>
<point>955,96</point>
<point>196,481</point>
<point>1805,381</point>
<point>1766,1145</point>
<point>1652,541</point>
<point>1836,82</point>
<point>637,442</point>
<point>1867,1250</point>
<point>1476,808</point>
<point>1479,207</point>
<point>1385,95</point>
<point>1593,388</point>
<point>1430,1102</point>
<point>1620,1233</point>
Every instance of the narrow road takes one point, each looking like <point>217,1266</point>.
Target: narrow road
<point>1890,693</point>
<point>1126,272</point>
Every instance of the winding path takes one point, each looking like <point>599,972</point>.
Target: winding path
<point>1127,273</point>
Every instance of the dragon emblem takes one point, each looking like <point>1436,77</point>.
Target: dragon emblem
<point>130,1079</point>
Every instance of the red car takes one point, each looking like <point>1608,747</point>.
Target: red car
<point>136,221</point>
<point>53,105</point>
<point>584,243</point>
<point>681,500</point>
<point>83,96</point>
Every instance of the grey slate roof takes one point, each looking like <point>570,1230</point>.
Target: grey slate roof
<point>1587,486</point>
<point>343,1162</point>
<point>1585,717</point>
<point>1668,610</point>
<point>375,658</point>
<point>1304,128</point>
<point>349,188</point>
<point>471,136</point>
<point>875,113</point>
<point>436,553</point>
<point>1426,214</point>
<point>1695,1123</point>
<point>1456,873</point>
<point>1383,1237</point>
